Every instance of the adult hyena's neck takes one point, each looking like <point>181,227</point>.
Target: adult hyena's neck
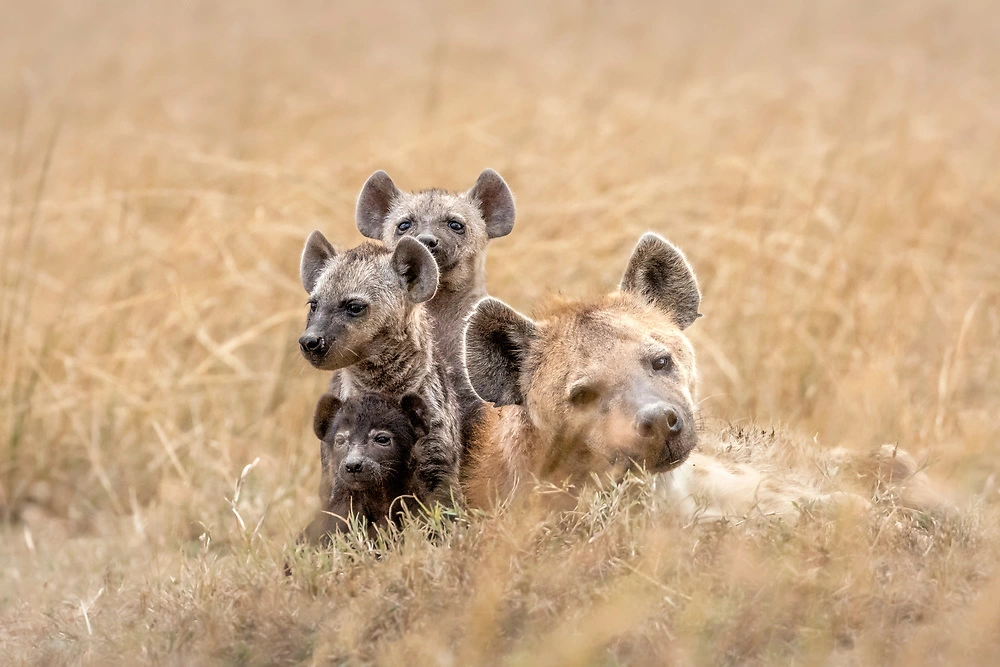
<point>400,362</point>
<point>502,454</point>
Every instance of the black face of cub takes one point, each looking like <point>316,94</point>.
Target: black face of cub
<point>367,440</point>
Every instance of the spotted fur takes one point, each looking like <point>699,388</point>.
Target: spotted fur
<point>388,348</point>
<point>486,211</point>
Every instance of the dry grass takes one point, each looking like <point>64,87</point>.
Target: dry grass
<point>832,170</point>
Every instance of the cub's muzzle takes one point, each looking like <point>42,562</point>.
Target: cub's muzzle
<point>428,240</point>
<point>312,346</point>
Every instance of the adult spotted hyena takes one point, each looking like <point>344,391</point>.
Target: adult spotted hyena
<point>456,228</point>
<point>605,385</point>
<point>367,321</point>
<point>592,387</point>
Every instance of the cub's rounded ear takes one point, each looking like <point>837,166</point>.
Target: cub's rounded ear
<point>497,340</point>
<point>374,203</point>
<point>416,268</point>
<point>659,273</point>
<point>415,410</point>
<point>495,201</point>
<point>315,256</point>
<point>326,410</point>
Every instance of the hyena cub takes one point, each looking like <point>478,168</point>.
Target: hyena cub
<point>456,228</point>
<point>365,447</point>
<point>366,320</point>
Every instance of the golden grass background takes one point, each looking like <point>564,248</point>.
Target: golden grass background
<point>831,169</point>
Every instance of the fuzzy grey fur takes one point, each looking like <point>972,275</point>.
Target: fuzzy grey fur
<point>485,212</point>
<point>388,348</point>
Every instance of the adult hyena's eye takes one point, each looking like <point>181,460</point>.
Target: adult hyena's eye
<point>403,226</point>
<point>582,395</point>
<point>456,226</point>
<point>662,363</point>
<point>312,306</point>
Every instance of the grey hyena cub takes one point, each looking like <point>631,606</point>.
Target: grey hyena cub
<point>366,319</point>
<point>456,227</point>
<point>365,447</point>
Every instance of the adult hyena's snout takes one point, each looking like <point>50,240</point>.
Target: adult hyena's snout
<point>668,428</point>
<point>658,420</point>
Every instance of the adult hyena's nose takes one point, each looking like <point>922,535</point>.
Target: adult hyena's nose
<point>312,344</point>
<point>658,420</point>
<point>428,240</point>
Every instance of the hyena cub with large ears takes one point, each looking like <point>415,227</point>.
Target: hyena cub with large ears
<point>456,228</point>
<point>366,319</point>
<point>595,386</point>
<point>366,446</point>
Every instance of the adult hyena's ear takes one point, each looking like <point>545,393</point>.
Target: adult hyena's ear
<point>315,256</point>
<point>415,410</point>
<point>497,340</point>
<point>374,203</point>
<point>416,268</point>
<point>495,202</point>
<point>326,409</point>
<point>659,273</point>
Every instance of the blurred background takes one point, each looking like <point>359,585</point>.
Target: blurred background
<point>832,170</point>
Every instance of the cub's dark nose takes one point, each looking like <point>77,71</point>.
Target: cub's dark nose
<point>354,466</point>
<point>312,344</point>
<point>658,420</point>
<point>428,240</point>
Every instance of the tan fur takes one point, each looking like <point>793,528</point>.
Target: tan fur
<point>533,369</point>
<point>748,472</point>
<point>597,342</point>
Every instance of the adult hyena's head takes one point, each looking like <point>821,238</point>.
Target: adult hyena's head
<point>455,227</point>
<point>608,384</point>
<point>360,297</point>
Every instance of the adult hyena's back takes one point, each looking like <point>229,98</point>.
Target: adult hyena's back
<point>749,471</point>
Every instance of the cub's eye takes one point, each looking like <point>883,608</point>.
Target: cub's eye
<point>312,306</point>
<point>404,225</point>
<point>340,439</point>
<point>355,308</point>
<point>662,363</point>
<point>456,226</point>
<point>582,395</point>
<point>382,439</point>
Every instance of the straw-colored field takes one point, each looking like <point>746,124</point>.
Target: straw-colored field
<point>831,169</point>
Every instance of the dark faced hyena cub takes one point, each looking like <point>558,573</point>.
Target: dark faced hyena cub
<point>366,319</point>
<point>456,228</point>
<point>366,445</point>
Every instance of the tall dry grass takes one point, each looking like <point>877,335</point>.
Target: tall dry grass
<point>831,169</point>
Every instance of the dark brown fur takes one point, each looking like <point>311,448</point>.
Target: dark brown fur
<point>366,448</point>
